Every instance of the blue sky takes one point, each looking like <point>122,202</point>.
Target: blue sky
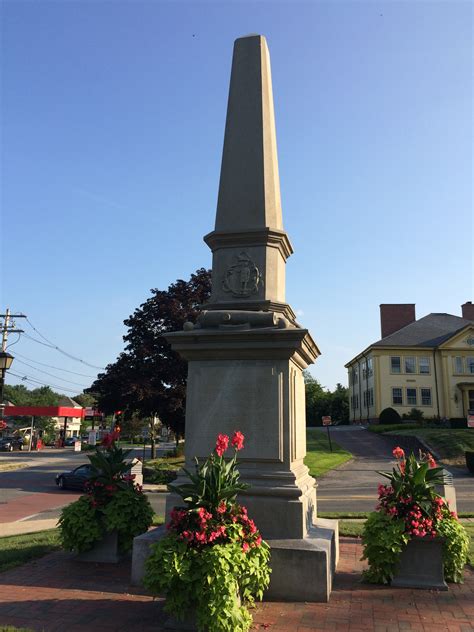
<point>113,120</point>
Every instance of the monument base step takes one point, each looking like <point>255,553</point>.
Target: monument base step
<point>302,569</point>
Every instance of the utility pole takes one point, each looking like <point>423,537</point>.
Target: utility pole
<point>7,328</point>
<point>6,358</point>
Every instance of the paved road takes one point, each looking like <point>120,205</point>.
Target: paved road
<point>353,486</point>
<point>27,492</point>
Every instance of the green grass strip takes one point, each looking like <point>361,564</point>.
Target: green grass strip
<point>319,457</point>
<point>16,550</point>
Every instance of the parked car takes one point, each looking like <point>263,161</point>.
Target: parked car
<point>71,441</point>
<point>76,479</point>
<point>8,444</point>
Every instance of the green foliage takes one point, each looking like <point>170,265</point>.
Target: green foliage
<point>321,401</point>
<point>213,561</point>
<point>455,548</point>
<point>389,416</point>
<point>213,481</point>
<point>381,429</point>
<point>415,414</point>
<point>216,581</point>
<point>409,507</point>
<point>112,503</point>
<point>86,400</point>
<point>149,378</point>
<point>383,539</point>
<point>130,514</point>
<point>81,525</point>
<point>22,396</point>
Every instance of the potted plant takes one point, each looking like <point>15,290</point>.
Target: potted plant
<point>413,538</point>
<point>212,563</point>
<point>102,523</point>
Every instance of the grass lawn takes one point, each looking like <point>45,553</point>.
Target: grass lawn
<point>18,549</point>
<point>319,458</point>
<point>450,444</point>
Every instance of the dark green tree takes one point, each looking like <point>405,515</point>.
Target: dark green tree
<point>148,378</point>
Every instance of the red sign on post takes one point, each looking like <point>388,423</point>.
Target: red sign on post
<point>470,418</point>
<point>327,421</point>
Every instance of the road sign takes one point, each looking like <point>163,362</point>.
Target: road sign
<point>470,418</point>
<point>327,420</point>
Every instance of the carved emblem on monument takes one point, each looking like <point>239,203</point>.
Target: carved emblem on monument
<point>243,277</point>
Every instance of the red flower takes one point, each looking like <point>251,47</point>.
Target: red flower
<point>238,440</point>
<point>398,453</point>
<point>431,461</point>
<point>245,547</point>
<point>222,507</point>
<point>222,444</point>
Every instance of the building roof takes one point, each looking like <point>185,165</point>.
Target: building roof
<point>429,331</point>
<point>68,401</point>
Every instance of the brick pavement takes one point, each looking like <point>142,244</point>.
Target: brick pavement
<point>58,594</point>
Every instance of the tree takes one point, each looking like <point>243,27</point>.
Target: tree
<point>149,378</point>
<point>321,402</point>
<point>86,400</point>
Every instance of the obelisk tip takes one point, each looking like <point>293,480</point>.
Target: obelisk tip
<point>249,36</point>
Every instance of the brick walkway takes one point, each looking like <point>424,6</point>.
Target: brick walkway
<point>58,594</point>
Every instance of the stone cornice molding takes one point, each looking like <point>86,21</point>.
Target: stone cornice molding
<point>253,237</point>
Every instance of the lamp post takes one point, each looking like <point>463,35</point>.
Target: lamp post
<point>6,360</point>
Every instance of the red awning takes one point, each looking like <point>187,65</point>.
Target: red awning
<point>43,411</point>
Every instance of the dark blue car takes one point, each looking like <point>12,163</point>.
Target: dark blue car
<point>76,479</point>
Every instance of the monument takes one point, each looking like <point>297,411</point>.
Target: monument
<point>246,352</point>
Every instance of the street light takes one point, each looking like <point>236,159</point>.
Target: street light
<point>6,360</point>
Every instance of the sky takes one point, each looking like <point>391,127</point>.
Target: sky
<point>112,123</point>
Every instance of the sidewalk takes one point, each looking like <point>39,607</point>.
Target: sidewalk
<point>58,594</point>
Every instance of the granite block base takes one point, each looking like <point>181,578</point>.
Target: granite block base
<point>421,565</point>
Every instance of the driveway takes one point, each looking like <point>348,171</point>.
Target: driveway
<point>353,485</point>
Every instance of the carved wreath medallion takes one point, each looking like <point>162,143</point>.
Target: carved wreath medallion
<point>243,277</point>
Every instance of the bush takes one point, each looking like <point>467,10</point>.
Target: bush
<point>392,427</point>
<point>415,414</point>
<point>389,416</point>
<point>458,422</point>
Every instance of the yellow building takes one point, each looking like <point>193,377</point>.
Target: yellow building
<point>426,364</point>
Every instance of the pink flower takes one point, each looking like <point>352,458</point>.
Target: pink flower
<point>238,440</point>
<point>431,461</point>
<point>222,444</point>
<point>398,453</point>
<point>245,547</point>
<point>258,540</point>
<point>222,507</point>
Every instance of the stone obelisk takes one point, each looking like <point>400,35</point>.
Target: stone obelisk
<point>246,353</point>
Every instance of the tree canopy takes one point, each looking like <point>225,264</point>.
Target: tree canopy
<point>149,378</point>
<point>321,401</point>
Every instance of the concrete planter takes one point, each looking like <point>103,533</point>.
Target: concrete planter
<point>105,551</point>
<point>421,565</point>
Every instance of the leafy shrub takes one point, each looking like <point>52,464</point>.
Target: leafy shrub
<point>458,422</point>
<point>378,429</point>
<point>415,414</point>
<point>389,416</point>
<point>409,507</point>
<point>213,560</point>
<point>112,502</point>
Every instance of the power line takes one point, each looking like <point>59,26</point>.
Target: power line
<point>52,374</point>
<point>27,378</point>
<point>53,367</point>
<point>51,345</point>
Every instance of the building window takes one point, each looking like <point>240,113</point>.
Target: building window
<point>356,401</point>
<point>424,366</point>
<point>395,364</point>
<point>397,398</point>
<point>364,373</point>
<point>365,399</point>
<point>370,397</point>
<point>410,365</point>
<point>470,364</point>
<point>411,396</point>
<point>370,367</point>
<point>458,367</point>
<point>426,396</point>
<point>355,375</point>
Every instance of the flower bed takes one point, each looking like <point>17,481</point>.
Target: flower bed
<point>409,507</point>
<point>212,563</point>
<point>112,503</point>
